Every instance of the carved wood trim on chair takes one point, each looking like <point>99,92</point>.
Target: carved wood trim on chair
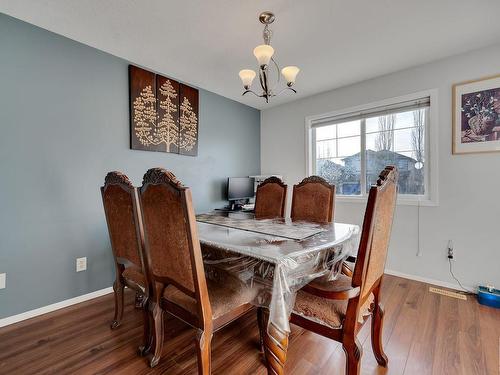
<point>314,180</point>
<point>117,178</point>
<point>273,180</point>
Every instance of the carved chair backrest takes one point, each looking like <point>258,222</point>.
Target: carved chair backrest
<point>270,199</point>
<point>376,232</point>
<point>172,249</point>
<point>120,202</point>
<point>313,200</point>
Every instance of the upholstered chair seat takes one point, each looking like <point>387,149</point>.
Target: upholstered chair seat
<point>223,297</point>
<point>328,312</point>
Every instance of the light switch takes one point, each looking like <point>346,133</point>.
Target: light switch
<point>3,277</point>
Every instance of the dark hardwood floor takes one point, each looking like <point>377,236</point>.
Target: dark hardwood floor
<point>424,333</point>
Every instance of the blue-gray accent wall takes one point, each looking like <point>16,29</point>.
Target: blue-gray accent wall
<point>64,122</point>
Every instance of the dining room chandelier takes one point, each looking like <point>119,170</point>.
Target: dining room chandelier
<point>264,55</point>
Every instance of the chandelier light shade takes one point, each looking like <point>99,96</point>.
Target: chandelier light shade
<point>290,73</point>
<point>247,76</point>
<point>263,54</point>
<point>266,64</point>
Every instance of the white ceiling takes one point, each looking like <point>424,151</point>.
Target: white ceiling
<point>334,42</point>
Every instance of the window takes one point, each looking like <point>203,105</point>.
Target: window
<point>350,148</point>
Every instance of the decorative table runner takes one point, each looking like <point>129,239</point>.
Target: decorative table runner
<point>293,231</point>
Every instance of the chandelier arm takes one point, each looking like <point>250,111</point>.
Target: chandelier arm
<point>253,92</point>
<point>285,89</point>
<point>278,72</point>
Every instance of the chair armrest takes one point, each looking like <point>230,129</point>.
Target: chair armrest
<point>317,290</point>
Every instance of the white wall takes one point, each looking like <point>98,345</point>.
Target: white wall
<point>469,185</point>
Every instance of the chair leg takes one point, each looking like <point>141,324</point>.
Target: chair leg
<point>118,289</point>
<point>377,324</point>
<point>261,321</point>
<point>204,351</point>
<point>353,351</point>
<point>157,320</point>
<point>147,340</point>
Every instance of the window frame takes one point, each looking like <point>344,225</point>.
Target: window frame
<point>430,198</point>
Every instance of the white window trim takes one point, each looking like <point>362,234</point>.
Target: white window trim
<point>432,134</point>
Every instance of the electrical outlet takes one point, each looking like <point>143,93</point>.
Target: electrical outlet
<point>3,277</point>
<point>451,251</point>
<point>81,264</point>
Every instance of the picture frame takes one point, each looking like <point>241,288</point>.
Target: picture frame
<point>476,116</point>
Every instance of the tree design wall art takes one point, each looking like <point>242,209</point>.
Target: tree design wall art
<point>168,113</point>
<point>163,114</point>
<point>188,140</point>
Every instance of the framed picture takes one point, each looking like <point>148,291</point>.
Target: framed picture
<point>476,116</point>
<point>163,114</point>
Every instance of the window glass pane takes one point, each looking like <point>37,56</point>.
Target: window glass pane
<point>345,170</point>
<point>348,146</point>
<point>326,149</point>
<point>326,132</point>
<point>371,125</point>
<point>406,152</point>
<point>348,129</point>
<point>403,140</point>
<point>404,120</point>
<point>380,141</point>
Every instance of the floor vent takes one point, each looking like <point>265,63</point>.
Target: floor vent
<point>448,293</point>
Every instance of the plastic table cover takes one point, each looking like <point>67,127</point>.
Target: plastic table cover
<point>275,268</point>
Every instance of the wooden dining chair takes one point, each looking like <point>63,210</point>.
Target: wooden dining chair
<point>313,200</point>
<point>270,199</point>
<point>338,309</point>
<point>120,202</point>
<point>174,268</point>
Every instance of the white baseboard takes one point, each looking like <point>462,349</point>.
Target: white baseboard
<point>55,306</point>
<point>427,280</point>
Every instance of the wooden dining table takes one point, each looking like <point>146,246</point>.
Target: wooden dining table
<point>275,258</point>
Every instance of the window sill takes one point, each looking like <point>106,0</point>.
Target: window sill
<point>402,201</point>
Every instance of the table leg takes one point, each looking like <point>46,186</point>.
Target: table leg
<point>275,348</point>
